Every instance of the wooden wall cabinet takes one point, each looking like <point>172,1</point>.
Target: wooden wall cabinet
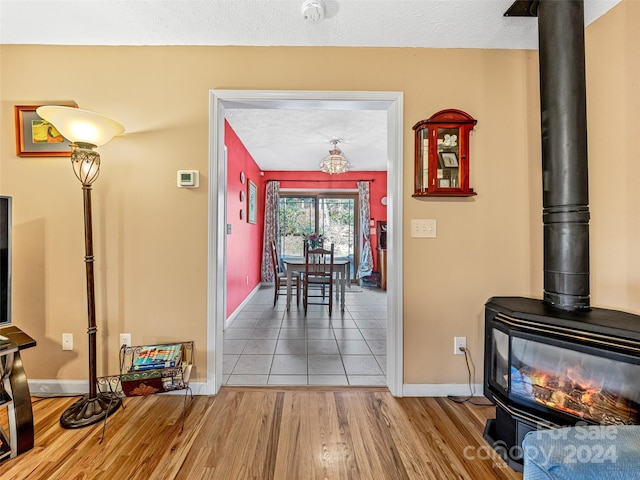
<point>442,155</point>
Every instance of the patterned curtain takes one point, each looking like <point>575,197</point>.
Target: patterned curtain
<point>366,255</point>
<point>271,200</point>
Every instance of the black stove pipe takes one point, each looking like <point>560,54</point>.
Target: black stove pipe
<point>565,195</point>
<point>565,198</point>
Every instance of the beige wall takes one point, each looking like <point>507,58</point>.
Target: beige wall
<point>613,85</point>
<point>151,238</point>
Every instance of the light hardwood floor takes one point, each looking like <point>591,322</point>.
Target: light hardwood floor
<point>292,433</point>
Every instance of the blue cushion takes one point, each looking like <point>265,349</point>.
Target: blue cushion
<point>611,452</point>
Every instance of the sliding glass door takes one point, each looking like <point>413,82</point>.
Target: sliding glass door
<point>332,215</point>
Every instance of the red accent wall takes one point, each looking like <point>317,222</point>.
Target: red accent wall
<point>244,244</point>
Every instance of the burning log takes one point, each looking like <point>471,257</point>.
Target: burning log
<point>582,400</point>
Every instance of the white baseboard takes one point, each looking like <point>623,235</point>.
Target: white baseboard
<point>440,390</point>
<point>80,387</point>
<point>58,387</point>
<point>232,317</point>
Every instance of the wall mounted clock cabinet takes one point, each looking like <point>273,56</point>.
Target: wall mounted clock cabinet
<point>442,155</point>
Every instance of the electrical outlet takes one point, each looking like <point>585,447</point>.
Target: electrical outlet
<point>125,339</point>
<point>458,343</point>
<point>67,341</point>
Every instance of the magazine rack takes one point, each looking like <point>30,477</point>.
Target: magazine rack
<point>132,383</point>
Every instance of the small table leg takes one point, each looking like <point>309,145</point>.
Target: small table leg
<point>22,405</point>
<point>289,274</point>
<point>344,276</point>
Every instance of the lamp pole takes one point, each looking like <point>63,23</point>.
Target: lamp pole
<point>95,406</point>
<point>92,329</point>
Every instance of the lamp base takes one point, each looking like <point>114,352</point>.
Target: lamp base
<point>88,411</point>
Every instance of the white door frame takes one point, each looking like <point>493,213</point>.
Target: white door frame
<point>219,101</point>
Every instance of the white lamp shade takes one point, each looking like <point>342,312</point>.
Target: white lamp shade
<point>81,126</point>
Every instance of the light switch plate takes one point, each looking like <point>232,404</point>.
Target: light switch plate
<point>423,228</point>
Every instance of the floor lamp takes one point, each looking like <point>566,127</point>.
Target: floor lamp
<point>86,131</point>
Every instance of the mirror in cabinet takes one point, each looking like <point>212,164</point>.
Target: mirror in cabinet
<point>442,154</point>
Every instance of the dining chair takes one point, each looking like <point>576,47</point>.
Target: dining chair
<point>318,277</point>
<point>280,277</point>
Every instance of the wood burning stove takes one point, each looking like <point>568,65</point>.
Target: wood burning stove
<point>545,369</point>
<point>557,361</point>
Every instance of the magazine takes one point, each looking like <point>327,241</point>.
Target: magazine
<point>151,357</point>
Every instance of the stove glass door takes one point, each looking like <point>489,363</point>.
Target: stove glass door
<point>585,385</point>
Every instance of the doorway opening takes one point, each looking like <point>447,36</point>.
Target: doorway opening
<point>222,100</point>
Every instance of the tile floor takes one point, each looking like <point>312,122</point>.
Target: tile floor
<point>266,345</point>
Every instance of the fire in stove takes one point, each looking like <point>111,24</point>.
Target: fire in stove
<point>574,393</point>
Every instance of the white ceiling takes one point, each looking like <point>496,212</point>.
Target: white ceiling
<point>372,23</point>
<point>280,138</point>
<point>299,139</point>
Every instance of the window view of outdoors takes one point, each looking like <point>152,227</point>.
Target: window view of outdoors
<point>333,217</point>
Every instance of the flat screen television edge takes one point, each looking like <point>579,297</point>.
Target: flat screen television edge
<point>5,261</point>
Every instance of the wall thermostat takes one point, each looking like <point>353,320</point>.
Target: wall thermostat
<point>188,178</point>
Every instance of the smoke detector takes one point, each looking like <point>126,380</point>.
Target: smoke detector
<point>313,11</point>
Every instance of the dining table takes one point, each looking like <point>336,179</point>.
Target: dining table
<point>297,264</point>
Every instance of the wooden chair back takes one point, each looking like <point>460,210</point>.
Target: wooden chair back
<point>319,263</point>
<point>318,276</point>
<point>275,260</point>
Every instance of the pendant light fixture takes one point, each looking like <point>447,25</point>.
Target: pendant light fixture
<point>335,163</point>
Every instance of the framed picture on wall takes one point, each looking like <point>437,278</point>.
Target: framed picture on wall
<point>252,202</point>
<point>449,159</point>
<point>35,137</point>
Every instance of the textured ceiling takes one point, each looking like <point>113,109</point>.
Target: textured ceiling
<point>285,136</point>
<point>379,23</point>
<point>294,139</point>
